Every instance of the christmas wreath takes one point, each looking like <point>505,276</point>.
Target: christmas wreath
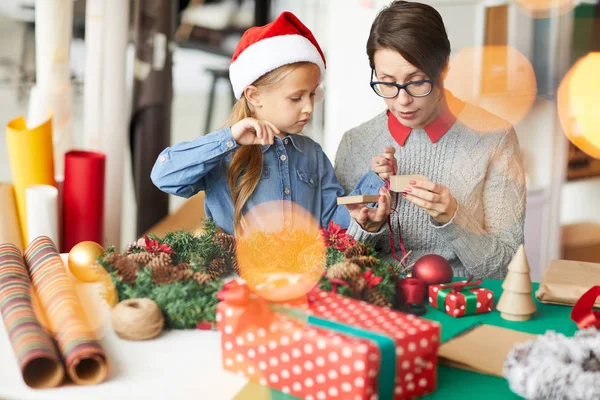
<point>182,271</point>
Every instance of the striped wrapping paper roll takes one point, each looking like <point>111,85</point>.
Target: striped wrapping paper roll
<point>41,366</point>
<point>84,359</point>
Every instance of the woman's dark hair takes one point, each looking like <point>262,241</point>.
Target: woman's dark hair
<point>414,30</point>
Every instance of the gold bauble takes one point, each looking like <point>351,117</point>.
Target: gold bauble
<point>82,261</point>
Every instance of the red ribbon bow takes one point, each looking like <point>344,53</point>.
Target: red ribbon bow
<point>255,309</point>
<point>583,313</point>
<point>462,285</point>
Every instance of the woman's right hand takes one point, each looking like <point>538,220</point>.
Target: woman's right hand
<point>380,164</point>
<point>252,131</point>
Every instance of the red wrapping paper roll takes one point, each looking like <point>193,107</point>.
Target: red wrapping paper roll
<point>83,198</point>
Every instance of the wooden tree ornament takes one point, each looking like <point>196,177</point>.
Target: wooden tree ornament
<point>516,302</point>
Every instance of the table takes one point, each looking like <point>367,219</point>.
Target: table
<point>187,364</point>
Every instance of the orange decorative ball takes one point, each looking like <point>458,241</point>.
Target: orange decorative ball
<point>82,261</point>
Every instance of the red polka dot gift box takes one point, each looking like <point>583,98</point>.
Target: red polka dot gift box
<point>461,298</point>
<point>333,347</point>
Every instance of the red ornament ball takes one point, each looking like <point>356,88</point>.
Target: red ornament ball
<point>433,269</point>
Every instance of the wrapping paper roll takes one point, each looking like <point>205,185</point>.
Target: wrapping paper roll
<point>42,212</point>
<point>85,360</point>
<point>53,102</point>
<point>83,198</point>
<point>36,353</point>
<point>10,231</point>
<point>150,129</point>
<point>52,94</point>
<point>53,32</point>
<point>106,110</point>
<point>31,161</point>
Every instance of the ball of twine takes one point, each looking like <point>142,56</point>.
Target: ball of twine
<point>137,319</point>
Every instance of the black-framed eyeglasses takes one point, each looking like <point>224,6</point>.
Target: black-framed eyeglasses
<point>389,90</point>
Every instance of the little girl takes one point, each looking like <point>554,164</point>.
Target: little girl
<point>260,156</point>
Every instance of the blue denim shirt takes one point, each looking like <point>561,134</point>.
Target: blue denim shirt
<point>294,168</point>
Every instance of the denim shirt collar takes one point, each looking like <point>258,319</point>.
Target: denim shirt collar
<point>293,138</point>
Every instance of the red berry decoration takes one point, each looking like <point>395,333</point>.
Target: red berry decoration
<point>433,269</point>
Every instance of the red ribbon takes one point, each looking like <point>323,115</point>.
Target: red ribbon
<point>389,221</point>
<point>462,285</point>
<point>583,313</point>
<point>255,309</point>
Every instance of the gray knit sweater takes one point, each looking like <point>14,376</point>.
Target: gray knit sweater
<point>478,159</point>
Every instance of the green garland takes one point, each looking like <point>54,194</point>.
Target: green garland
<point>186,303</point>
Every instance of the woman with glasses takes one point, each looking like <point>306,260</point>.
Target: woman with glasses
<point>470,209</point>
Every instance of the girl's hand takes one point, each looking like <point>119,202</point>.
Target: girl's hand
<point>372,219</point>
<point>435,199</point>
<point>380,164</point>
<point>252,131</point>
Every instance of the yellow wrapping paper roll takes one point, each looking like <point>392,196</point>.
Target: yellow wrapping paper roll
<point>10,231</point>
<point>31,158</point>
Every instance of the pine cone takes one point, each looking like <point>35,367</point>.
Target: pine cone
<point>343,270</point>
<point>216,268</point>
<point>374,296</point>
<point>225,241</point>
<point>201,277</point>
<point>126,269</point>
<point>141,258</point>
<point>112,258</point>
<point>163,275</point>
<point>359,284</point>
<point>160,262</point>
<point>182,275</point>
<point>356,250</point>
<point>183,266</point>
<point>164,257</point>
<point>364,262</point>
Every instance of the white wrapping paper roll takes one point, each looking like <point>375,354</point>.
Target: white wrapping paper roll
<point>52,94</point>
<point>42,212</point>
<point>105,101</point>
<point>93,73</point>
<point>53,33</point>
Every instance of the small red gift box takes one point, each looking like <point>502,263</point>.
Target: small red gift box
<point>461,298</point>
<point>313,361</point>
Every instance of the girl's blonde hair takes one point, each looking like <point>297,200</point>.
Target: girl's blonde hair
<point>247,163</point>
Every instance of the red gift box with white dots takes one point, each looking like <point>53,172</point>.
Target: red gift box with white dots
<point>315,363</point>
<point>455,303</point>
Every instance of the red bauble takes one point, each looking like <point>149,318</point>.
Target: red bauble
<point>433,269</point>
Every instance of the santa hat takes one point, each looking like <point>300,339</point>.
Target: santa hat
<point>265,48</point>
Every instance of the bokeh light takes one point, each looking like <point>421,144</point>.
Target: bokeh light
<point>280,252</point>
<point>497,78</point>
<point>545,8</point>
<point>579,104</point>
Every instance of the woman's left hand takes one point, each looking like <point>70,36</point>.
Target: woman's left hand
<point>434,198</point>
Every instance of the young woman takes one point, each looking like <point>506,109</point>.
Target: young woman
<point>471,209</point>
<point>260,155</point>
